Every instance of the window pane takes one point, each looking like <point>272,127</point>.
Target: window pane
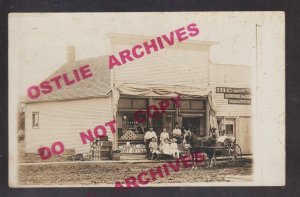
<point>125,103</point>
<point>171,103</point>
<point>132,130</point>
<point>229,129</point>
<point>197,104</point>
<point>184,104</point>
<point>219,121</point>
<point>35,120</point>
<point>139,103</point>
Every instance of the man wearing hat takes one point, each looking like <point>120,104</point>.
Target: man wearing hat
<point>214,134</point>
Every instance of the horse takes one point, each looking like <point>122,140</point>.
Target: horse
<point>195,148</point>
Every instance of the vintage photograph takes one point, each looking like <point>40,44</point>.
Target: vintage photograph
<point>145,99</point>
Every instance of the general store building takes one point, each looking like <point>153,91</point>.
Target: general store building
<point>208,92</point>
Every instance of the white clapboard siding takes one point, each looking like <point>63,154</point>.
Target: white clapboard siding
<point>244,137</point>
<point>64,120</point>
<point>166,66</point>
<point>235,76</point>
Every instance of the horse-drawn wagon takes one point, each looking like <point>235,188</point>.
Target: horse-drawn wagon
<point>227,148</point>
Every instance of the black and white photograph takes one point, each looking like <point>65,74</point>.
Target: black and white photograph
<point>146,99</point>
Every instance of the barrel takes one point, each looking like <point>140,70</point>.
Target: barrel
<point>116,156</point>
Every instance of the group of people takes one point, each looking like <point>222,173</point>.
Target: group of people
<point>167,145</point>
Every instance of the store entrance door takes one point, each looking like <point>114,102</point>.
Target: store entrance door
<point>192,123</point>
<point>157,124</point>
<point>169,122</point>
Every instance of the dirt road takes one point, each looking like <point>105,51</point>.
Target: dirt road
<point>82,173</point>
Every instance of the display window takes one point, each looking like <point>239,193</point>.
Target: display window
<point>128,128</point>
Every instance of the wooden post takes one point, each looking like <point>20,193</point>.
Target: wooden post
<point>176,115</point>
<point>150,119</point>
<point>207,118</point>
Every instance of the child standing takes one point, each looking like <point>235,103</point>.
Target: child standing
<point>174,148</point>
<point>154,149</point>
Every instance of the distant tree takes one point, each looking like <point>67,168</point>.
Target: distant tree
<point>21,121</point>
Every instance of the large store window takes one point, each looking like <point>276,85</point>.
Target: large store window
<point>127,103</point>
<point>128,123</point>
<point>171,103</point>
<point>192,105</point>
<point>131,129</point>
<point>128,127</point>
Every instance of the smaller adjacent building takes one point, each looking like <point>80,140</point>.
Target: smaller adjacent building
<point>212,95</point>
<point>230,85</point>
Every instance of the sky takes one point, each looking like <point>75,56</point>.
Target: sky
<point>38,41</point>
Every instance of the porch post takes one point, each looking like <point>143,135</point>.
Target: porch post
<point>114,114</point>
<point>150,119</point>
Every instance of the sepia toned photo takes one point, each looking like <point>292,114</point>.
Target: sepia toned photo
<point>146,99</point>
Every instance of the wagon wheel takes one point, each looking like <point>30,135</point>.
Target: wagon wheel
<point>235,152</point>
<point>227,153</point>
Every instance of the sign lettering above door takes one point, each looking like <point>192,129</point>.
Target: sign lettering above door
<point>233,90</point>
<point>238,96</point>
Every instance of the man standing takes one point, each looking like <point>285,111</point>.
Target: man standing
<point>177,133</point>
<point>214,134</point>
<point>164,135</point>
<point>147,139</point>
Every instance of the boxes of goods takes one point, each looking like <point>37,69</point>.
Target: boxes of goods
<point>69,151</point>
<point>106,143</point>
<point>104,138</point>
<point>116,155</point>
<point>77,157</point>
<point>104,158</point>
<point>129,135</point>
<point>100,149</point>
<point>105,153</point>
<point>139,136</point>
<point>105,150</point>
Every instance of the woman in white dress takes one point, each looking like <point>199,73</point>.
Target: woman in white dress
<point>174,148</point>
<point>166,148</point>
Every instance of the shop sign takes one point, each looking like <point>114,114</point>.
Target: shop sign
<point>233,90</point>
<point>133,148</point>
<point>237,96</point>
<point>239,101</point>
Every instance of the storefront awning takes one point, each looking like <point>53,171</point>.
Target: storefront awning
<point>154,90</point>
<point>157,90</point>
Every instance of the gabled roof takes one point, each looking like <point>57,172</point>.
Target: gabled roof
<point>131,38</point>
<point>138,39</point>
<point>96,86</point>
